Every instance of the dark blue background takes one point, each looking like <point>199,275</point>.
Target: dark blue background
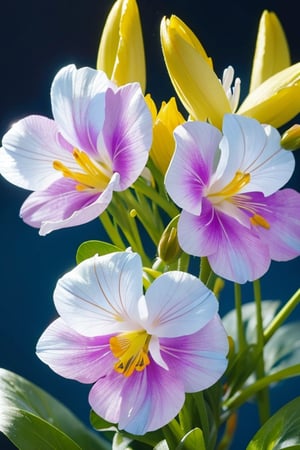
<point>36,39</point>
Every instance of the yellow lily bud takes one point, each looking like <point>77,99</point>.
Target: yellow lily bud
<point>272,52</point>
<point>163,144</point>
<point>291,138</point>
<point>121,50</point>
<point>191,72</point>
<point>276,100</point>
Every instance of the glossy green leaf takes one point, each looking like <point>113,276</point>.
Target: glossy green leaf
<point>90,248</point>
<point>25,409</point>
<point>27,432</point>
<point>192,440</point>
<point>281,431</point>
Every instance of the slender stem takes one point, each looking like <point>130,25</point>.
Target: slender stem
<point>202,412</point>
<point>111,230</point>
<point>205,269</point>
<point>263,399</point>
<point>283,314</point>
<point>156,197</point>
<point>247,392</point>
<point>242,343</point>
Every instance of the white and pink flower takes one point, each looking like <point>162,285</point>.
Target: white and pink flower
<point>141,351</point>
<point>97,143</point>
<point>228,187</point>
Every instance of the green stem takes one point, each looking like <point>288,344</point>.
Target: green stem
<point>156,197</point>
<point>247,392</point>
<point>173,434</point>
<point>242,343</point>
<point>263,399</point>
<point>111,230</point>
<point>202,412</point>
<point>283,314</point>
<point>205,270</point>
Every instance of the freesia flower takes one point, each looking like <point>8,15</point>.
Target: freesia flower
<point>163,144</point>
<point>143,352</point>
<point>275,88</point>
<point>228,187</point>
<point>121,50</point>
<point>97,143</point>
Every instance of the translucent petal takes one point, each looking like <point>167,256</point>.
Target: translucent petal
<point>271,53</point>
<point>178,304</point>
<point>100,295</point>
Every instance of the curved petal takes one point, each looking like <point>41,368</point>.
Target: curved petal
<point>150,399</point>
<point>100,295</point>
<point>121,50</point>
<point>257,151</point>
<point>127,132</point>
<point>190,71</point>
<point>71,355</point>
<point>234,251</point>
<point>61,205</point>
<point>276,100</point>
<point>29,149</point>
<point>272,52</point>
<point>192,164</point>
<point>178,304</point>
<point>78,105</point>
<point>105,397</point>
<point>282,212</point>
<point>199,359</point>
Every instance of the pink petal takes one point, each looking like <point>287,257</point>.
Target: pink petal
<point>198,359</point>
<point>127,132</point>
<point>234,251</point>
<point>192,164</point>
<point>72,355</point>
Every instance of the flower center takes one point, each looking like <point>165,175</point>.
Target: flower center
<point>92,175</point>
<point>131,349</point>
<point>236,184</point>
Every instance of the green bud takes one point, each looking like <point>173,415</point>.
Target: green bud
<point>168,247</point>
<point>291,138</point>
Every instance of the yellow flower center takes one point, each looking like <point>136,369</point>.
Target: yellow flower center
<point>93,175</point>
<point>236,184</point>
<point>131,349</point>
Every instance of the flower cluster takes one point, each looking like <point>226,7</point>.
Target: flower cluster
<point>138,324</point>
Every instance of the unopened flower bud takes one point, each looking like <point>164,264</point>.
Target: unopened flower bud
<point>168,246</point>
<point>291,138</point>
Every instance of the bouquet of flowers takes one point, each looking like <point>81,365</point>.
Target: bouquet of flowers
<point>191,197</point>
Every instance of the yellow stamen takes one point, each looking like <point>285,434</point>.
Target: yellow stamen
<point>236,184</point>
<point>93,176</point>
<point>131,349</point>
<point>259,221</point>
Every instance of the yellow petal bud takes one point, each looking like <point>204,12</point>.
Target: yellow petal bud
<point>276,100</point>
<point>190,70</point>
<point>121,50</point>
<point>291,138</point>
<point>271,52</point>
<point>163,144</point>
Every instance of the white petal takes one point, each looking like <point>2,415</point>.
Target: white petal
<point>78,105</point>
<point>178,304</point>
<point>29,149</point>
<point>100,295</point>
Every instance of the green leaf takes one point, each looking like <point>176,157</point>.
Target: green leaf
<point>193,439</point>
<point>90,248</point>
<point>25,409</point>
<point>27,432</point>
<point>281,431</point>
